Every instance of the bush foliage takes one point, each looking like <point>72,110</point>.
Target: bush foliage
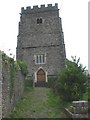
<point>71,83</point>
<point>23,67</point>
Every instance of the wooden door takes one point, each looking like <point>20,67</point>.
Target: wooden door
<point>41,75</point>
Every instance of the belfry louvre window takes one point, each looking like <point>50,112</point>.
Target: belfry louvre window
<point>40,59</point>
<point>39,20</point>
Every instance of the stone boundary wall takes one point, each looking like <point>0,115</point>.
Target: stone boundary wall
<point>0,85</point>
<point>80,109</point>
<point>89,80</point>
<point>9,103</point>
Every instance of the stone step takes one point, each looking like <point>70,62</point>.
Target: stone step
<point>41,84</point>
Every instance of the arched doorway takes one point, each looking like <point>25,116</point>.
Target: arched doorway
<point>41,78</point>
<point>41,75</point>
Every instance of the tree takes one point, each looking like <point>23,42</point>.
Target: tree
<point>71,83</point>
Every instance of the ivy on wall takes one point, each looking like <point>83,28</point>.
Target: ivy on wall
<point>12,71</point>
<point>14,66</point>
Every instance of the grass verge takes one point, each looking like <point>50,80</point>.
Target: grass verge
<point>56,105</point>
<point>22,106</point>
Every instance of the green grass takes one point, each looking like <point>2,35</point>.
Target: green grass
<point>22,106</point>
<point>38,102</point>
<point>56,105</point>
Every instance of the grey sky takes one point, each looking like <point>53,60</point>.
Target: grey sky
<point>74,14</point>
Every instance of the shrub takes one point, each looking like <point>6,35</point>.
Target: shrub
<point>23,67</point>
<point>71,83</point>
<point>52,83</point>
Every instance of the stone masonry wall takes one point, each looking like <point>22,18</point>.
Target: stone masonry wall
<point>18,88</point>
<point>45,38</point>
<point>80,109</point>
<point>0,86</point>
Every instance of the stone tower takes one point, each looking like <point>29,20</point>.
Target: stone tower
<point>41,42</point>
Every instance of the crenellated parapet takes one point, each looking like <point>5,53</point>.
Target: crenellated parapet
<point>36,8</point>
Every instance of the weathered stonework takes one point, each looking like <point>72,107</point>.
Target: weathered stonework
<point>80,109</point>
<point>9,103</point>
<point>43,38</point>
<point>0,85</point>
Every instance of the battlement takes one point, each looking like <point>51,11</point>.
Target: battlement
<point>42,8</point>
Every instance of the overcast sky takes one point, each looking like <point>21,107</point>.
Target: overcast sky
<point>74,14</point>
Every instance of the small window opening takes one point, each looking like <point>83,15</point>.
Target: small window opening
<point>40,59</point>
<point>39,20</point>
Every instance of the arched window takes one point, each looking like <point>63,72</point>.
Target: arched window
<point>39,20</point>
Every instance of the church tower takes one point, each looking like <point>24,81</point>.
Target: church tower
<point>40,41</point>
